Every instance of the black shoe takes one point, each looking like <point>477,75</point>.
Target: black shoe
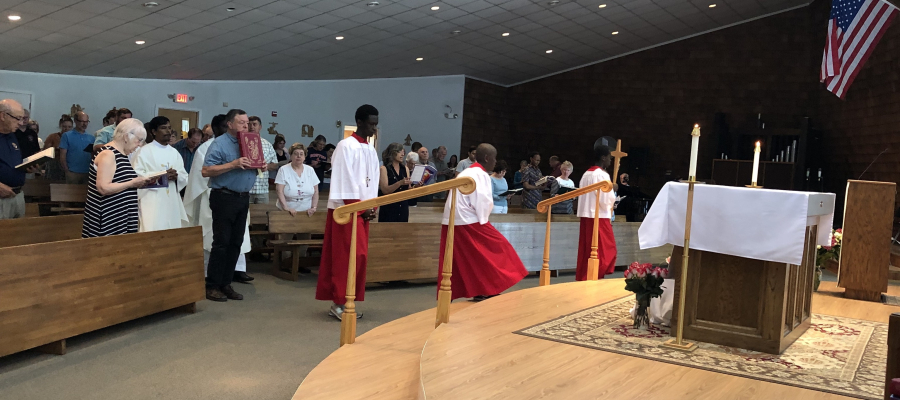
<point>215,295</point>
<point>229,292</point>
<point>242,277</point>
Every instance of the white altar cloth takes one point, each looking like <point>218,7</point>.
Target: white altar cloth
<point>761,224</point>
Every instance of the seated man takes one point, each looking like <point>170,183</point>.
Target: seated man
<point>484,263</point>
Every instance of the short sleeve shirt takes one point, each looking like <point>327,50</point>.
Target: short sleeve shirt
<point>298,189</point>
<point>261,185</point>
<point>224,150</point>
<point>105,135</point>
<point>74,142</point>
<point>10,156</point>
<point>531,197</point>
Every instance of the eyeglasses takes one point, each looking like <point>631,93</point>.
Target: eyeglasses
<point>15,117</point>
<point>78,120</point>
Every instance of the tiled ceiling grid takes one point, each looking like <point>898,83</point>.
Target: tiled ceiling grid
<point>295,39</point>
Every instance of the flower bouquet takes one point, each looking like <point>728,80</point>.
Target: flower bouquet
<point>645,281</point>
<point>827,253</point>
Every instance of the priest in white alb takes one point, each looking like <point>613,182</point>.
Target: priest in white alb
<point>196,205</point>
<point>484,262</point>
<point>161,208</point>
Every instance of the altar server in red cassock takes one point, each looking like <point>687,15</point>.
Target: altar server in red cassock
<point>484,263</point>
<point>606,242</point>
<point>354,177</point>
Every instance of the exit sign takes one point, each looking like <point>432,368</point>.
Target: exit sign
<point>181,98</point>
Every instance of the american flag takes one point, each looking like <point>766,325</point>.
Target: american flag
<point>854,29</point>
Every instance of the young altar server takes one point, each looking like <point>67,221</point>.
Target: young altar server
<point>484,262</point>
<point>606,242</point>
<point>196,205</point>
<point>161,208</point>
<point>354,178</point>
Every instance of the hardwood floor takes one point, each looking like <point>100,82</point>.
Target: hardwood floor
<point>476,356</point>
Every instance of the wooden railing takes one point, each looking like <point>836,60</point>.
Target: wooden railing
<point>347,213</point>
<point>545,207</point>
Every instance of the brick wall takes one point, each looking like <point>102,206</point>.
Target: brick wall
<point>651,99</point>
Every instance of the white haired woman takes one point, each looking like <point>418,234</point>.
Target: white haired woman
<point>412,159</point>
<point>112,203</point>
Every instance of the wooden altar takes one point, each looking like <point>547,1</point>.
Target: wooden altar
<point>746,303</point>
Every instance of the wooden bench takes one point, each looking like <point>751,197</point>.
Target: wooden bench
<point>65,195</point>
<point>281,223</point>
<point>37,196</point>
<point>55,285</point>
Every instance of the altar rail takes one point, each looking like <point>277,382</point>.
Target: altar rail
<point>348,214</point>
<point>55,285</point>
<point>545,207</point>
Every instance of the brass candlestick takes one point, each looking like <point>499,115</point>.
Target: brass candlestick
<point>678,343</point>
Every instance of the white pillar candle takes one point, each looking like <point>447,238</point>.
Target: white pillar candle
<point>794,152</point>
<point>695,145</point>
<point>755,163</point>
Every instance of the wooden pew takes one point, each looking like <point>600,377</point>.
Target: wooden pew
<point>259,234</point>
<point>37,196</point>
<point>65,194</point>
<point>40,229</point>
<point>401,251</point>
<point>51,291</point>
<point>282,223</point>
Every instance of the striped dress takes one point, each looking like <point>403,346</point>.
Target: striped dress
<point>115,214</point>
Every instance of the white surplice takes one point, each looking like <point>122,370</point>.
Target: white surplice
<point>196,206</point>
<point>161,208</point>
<point>588,201</point>
<point>354,172</point>
<point>476,207</point>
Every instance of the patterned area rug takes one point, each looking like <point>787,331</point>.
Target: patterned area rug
<point>838,355</point>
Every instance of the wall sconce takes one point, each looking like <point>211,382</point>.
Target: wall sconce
<point>450,115</point>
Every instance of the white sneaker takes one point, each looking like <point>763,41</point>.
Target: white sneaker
<point>337,311</point>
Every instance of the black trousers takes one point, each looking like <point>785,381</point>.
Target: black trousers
<point>229,213</point>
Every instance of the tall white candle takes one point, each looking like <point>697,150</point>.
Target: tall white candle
<point>755,163</point>
<point>695,145</point>
<point>794,151</point>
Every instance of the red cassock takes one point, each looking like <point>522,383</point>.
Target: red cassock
<point>332,284</point>
<point>484,263</point>
<point>606,248</point>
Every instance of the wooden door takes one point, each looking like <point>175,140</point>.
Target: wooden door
<point>181,120</point>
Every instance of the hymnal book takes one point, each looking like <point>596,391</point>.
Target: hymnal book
<point>511,192</point>
<point>544,180</point>
<point>37,158</point>
<point>564,190</point>
<point>162,180</point>
<point>421,174</point>
<point>251,147</point>
<point>89,148</point>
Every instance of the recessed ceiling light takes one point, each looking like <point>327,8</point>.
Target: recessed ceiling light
<point>456,32</point>
<point>339,38</point>
<point>419,59</point>
<point>373,4</point>
<point>549,51</point>
<point>505,34</point>
<point>553,2</point>
<point>615,33</point>
<point>139,42</point>
<point>14,17</point>
<point>230,9</point>
<point>603,6</point>
<point>712,6</point>
<point>435,8</point>
<point>151,4</point>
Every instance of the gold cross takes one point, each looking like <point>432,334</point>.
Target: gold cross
<point>618,154</point>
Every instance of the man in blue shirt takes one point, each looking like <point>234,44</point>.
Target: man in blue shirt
<point>231,179</point>
<point>105,135</point>
<point>75,149</point>
<point>12,201</point>
<point>187,146</point>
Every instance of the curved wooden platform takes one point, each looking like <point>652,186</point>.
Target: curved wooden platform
<point>476,355</point>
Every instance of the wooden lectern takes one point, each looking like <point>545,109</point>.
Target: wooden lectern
<point>866,247</point>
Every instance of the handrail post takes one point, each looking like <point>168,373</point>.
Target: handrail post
<point>593,266</point>
<point>348,317</point>
<point>446,290</point>
<point>545,268</point>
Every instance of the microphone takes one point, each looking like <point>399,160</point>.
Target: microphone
<point>873,162</point>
